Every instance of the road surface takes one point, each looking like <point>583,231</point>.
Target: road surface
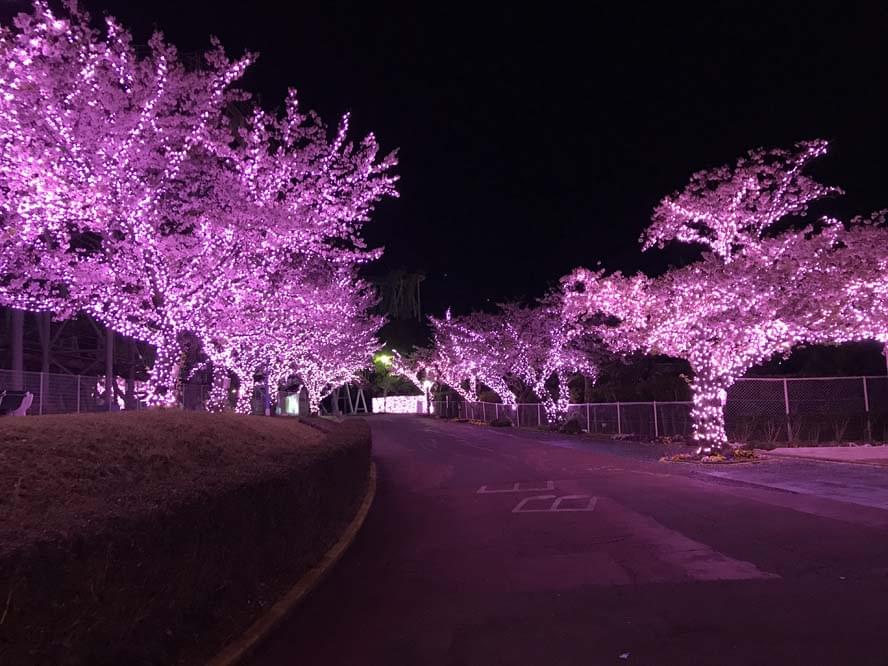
<point>492,546</point>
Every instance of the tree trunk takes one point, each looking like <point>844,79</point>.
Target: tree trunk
<point>43,330</point>
<point>218,399</point>
<point>109,368</point>
<point>710,392</point>
<point>473,388</point>
<point>130,401</point>
<point>18,356</point>
<point>163,380</point>
<point>314,400</point>
<point>556,408</point>
<point>244,402</point>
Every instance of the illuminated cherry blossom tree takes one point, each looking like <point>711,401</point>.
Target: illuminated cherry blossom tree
<point>123,194</point>
<point>544,351</point>
<point>318,334</point>
<point>477,339</point>
<point>802,287</point>
<point>753,296</point>
<point>450,365</point>
<point>727,209</point>
<point>848,285</point>
<point>99,174</point>
<point>513,350</point>
<point>415,367</point>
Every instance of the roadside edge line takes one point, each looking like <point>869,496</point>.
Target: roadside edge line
<point>234,652</point>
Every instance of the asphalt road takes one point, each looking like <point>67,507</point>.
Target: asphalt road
<point>490,546</point>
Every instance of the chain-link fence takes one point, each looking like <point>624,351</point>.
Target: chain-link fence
<point>811,409</point>
<point>74,394</point>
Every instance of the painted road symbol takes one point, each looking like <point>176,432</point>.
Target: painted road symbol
<point>515,488</point>
<point>545,504</point>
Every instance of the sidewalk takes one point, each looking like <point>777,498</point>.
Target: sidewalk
<point>866,455</point>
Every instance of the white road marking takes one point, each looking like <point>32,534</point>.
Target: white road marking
<point>555,507</point>
<point>520,507</point>
<point>516,488</point>
<point>590,505</point>
<point>621,469</point>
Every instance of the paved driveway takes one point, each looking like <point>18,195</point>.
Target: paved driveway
<point>490,546</point>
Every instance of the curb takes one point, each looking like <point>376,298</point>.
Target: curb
<point>233,653</point>
<point>781,456</point>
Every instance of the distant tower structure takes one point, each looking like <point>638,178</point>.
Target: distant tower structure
<point>400,295</point>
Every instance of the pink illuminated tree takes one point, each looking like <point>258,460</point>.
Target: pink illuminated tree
<point>544,351</point>
<point>416,367</point>
<point>477,339</point>
<point>99,174</point>
<point>802,287</point>
<point>727,209</point>
<point>848,287</point>
<point>123,194</point>
<point>316,333</point>
<point>449,364</point>
<point>515,350</point>
<point>753,296</point>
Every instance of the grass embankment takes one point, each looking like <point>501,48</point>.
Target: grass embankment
<point>154,537</point>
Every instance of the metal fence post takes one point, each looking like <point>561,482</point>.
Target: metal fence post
<point>78,394</point>
<point>496,410</point>
<point>539,415</point>
<point>42,384</point>
<point>483,411</point>
<point>786,405</point>
<point>517,414</point>
<point>869,425</point>
<point>588,422</point>
<point>656,426</point>
<point>619,424</point>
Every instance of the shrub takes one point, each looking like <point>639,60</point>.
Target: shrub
<point>152,537</point>
<point>571,427</point>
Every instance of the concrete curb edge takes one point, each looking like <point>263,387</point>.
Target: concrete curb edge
<point>234,652</point>
<point>785,456</point>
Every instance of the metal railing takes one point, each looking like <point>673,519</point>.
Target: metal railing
<point>806,409</point>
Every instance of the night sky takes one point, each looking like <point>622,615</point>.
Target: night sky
<point>532,141</point>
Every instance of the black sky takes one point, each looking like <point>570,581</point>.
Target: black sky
<point>535,140</point>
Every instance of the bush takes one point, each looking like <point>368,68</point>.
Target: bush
<point>501,422</point>
<point>153,537</point>
<point>571,427</point>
